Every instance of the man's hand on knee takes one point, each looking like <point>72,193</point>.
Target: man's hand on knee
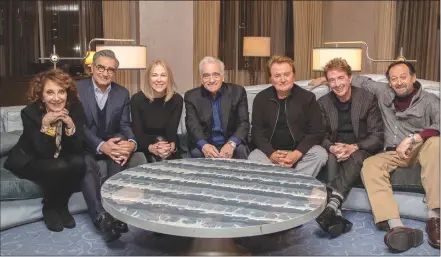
<point>291,158</point>
<point>126,149</point>
<point>278,156</point>
<point>227,151</point>
<point>111,148</point>
<point>210,151</point>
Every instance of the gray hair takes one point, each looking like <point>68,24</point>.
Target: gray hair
<point>105,53</point>
<point>209,59</point>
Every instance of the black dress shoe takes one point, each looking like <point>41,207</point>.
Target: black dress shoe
<point>66,218</point>
<point>325,219</point>
<point>51,218</point>
<point>106,224</point>
<point>121,226</point>
<point>401,239</point>
<point>339,226</point>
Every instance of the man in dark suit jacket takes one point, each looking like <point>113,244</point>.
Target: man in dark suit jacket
<point>108,136</point>
<point>217,117</point>
<point>354,131</point>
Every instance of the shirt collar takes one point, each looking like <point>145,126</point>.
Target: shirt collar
<point>96,89</point>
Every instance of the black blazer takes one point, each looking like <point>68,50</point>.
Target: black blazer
<point>117,113</point>
<point>365,116</point>
<point>34,144</point>
<point>199,114</point>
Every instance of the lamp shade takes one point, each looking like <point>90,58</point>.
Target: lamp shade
<point>256,46</point>
<point>322,55</point>
<point>129,57</point>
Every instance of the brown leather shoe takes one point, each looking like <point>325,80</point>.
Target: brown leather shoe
<point>401,239</point>
<point>433,231</point>
<point>382,225</point>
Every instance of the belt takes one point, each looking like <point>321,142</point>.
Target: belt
<point>390,148</point>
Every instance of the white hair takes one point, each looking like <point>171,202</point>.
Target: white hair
<point>209,59</point>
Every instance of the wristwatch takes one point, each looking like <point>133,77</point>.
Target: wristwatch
<point>232,143</point>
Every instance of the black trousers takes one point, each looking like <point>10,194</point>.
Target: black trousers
<point>342,176</point>
<point>154,158</point>
<point>93,179</point>
<point>59,177</point>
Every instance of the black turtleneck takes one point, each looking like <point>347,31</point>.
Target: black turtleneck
<point>345,130</point>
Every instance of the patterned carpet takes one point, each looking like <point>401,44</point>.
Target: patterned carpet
<point>364,239</point>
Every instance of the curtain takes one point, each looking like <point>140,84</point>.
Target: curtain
<point>93,19</point>
<point>116,24</point>
<point>206,33</point>
<point>384,36</point>
<point>61,28</point>
<point>418,33</point>
<point>308,33</point>
<point>19,44</point>
<point>253,18</point>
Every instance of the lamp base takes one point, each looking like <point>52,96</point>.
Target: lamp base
<point>251,71</point>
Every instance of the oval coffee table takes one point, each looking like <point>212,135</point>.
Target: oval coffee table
<point>213,200</point>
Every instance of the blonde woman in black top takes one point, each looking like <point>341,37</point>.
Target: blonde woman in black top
<point>156,112</point>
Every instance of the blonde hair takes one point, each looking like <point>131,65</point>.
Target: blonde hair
<point>281,59</point>
<point>170,80</point>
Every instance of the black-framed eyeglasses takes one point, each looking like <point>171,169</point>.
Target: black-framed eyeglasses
<point>102,68</point>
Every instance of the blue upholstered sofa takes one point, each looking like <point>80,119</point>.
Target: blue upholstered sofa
<point>20,200</point>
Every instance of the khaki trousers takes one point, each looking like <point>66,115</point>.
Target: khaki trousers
<point>376,177</point>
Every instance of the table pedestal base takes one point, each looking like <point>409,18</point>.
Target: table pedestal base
<point>216,247</point>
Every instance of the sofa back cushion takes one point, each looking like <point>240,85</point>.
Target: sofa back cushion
<point>10,119</point>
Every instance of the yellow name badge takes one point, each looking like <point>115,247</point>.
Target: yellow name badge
<point>48,131</point>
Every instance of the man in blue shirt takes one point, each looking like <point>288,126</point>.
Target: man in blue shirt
<point>217,117</point>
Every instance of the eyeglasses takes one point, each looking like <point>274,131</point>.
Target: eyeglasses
<point>109,70</point>
<point>214,75</point>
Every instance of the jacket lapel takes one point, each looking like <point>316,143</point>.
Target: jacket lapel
<point>333,118</point>
<point>357,101</point>
<point>91,102</point>
<point>110,107</point>
<point>225,102</point>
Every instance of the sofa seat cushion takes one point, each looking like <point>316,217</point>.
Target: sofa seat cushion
<point>407,180</point>
<point>15,188</point>
<point>16,213</point>
<point>410,205</point>
<point>402,179</point>
<point>8,140</point>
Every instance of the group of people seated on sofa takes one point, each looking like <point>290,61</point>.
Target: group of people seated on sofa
<point>361,128</point>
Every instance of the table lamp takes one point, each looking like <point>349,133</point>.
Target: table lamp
<point>256,47</point>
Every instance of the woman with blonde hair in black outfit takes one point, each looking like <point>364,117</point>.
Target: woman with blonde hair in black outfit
<point>156,112</point>
<point>50,150</point>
